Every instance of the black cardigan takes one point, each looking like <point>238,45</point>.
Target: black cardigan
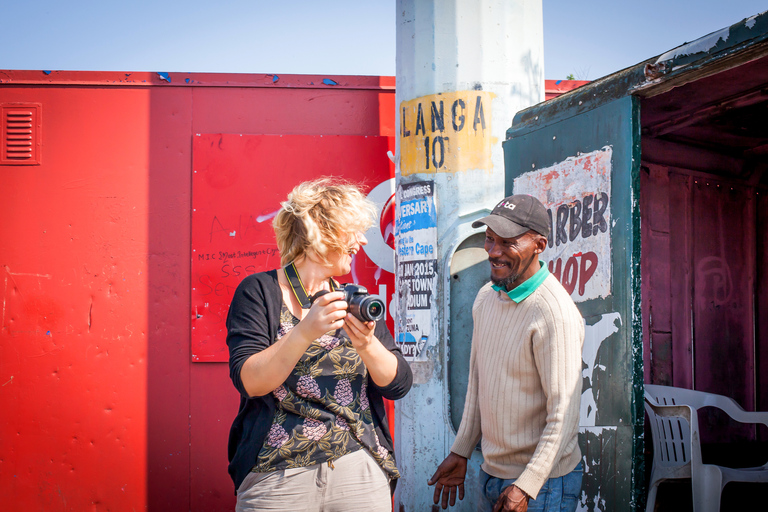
<point>252,323</point>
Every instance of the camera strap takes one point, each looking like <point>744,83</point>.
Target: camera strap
<point>298,287</point>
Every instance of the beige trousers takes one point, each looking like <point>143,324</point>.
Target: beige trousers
<point>354,483</point>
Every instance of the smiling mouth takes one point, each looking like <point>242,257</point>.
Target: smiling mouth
<point>498,264</point>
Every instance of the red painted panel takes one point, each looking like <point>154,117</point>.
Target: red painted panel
<point>238,184</point>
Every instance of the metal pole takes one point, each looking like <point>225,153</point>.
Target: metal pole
<point>464,68</point>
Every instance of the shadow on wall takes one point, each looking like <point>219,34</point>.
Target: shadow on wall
<point>189,405</point>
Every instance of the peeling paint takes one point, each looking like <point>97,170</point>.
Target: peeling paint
<point>328,81</point>
<point>595,499</point>
<point>703,44</point>
<point>594,336</point>
<point>164,76</point>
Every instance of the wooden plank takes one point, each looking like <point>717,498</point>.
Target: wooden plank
<point>723,290</point>
<point>655,265</point>
<point>723,263</point>
<point>662,364</point>
<point>761,305</point>
<point>680,283</point>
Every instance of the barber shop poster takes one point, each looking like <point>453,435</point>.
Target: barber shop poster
<point>577,195</point>
<point>416,276</point>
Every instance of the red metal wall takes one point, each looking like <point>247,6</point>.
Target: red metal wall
<point>102,407</point>
<point>554,88</point>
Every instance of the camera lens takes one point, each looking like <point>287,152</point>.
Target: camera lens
<point>374,309</point>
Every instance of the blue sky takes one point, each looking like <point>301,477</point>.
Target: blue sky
<point>586,38</point>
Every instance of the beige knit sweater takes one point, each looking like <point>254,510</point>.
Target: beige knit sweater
<point>524,386</point>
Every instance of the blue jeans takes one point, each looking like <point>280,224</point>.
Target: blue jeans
<point>557,495</point>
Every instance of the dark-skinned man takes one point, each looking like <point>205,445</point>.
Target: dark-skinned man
<point>524,386</point>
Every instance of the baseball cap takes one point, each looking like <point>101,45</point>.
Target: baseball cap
<point>516,214</point>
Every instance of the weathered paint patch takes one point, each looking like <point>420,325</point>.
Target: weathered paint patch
<point>594,336</point>
<point>447,132</point>
<point>598,445</point>
<point>576,193</point>
<point>701,45</point>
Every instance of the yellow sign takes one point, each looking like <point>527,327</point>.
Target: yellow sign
<point>447,132</point>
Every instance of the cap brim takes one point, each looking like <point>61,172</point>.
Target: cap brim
<point>503,227</point>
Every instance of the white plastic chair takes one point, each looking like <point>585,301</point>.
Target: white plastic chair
<point>677,447</point>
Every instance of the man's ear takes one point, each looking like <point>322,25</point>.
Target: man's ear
<point>541,244</point>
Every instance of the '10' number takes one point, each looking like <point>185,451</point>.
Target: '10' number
<point>437,163</point>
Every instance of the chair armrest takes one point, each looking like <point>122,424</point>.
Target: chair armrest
<point>671,411</point>
<point>734,410</point>
<point>686,412</point>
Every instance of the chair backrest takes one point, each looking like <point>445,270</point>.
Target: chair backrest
<point>667,395</point>
<point>671,436</point>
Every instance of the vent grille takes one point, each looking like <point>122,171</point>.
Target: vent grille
<point>20,134</point>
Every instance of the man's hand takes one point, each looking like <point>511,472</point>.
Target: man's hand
<point>512,499</point>
<point>449,475</point>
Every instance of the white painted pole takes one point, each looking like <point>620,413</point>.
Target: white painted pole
<point>464,68</point>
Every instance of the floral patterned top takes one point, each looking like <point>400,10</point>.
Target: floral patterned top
<point>322,408</point>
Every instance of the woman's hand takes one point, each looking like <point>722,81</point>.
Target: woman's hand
<point>380,362</point>
<point>360,333</point>
<point>264,371</point>
<point>326,314</point>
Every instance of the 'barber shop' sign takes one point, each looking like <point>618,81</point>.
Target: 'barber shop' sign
<point>576,193</point>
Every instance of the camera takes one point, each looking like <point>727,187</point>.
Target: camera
<point>364,306</point>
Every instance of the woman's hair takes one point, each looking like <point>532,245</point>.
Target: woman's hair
<point>319,216</point>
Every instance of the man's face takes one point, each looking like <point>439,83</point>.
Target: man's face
<point>511,258</point>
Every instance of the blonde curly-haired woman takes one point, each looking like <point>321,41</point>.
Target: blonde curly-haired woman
<point>311,433</point>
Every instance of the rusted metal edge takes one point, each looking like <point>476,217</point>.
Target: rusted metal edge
<point>162,79</point>
<point>741,42</point>
<point>637,499</point>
